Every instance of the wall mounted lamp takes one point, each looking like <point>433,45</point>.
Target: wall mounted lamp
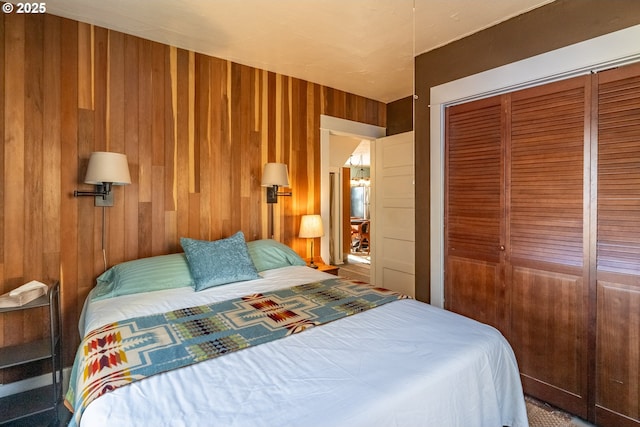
<point>104,170</point>
<point>310,228</point>
<point>275,175</point>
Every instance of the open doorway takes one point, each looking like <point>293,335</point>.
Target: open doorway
<point>339,138</point>
<point>358,239</point>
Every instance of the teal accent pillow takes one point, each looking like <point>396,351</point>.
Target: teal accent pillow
<point>219,262</point>
<point>267,254</point>
<point>143,275</point>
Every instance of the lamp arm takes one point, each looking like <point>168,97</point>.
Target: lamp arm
<point>273,193</point>
<point>102,190</point>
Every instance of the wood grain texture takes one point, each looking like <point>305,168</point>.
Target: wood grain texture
<point>515,227</point>
<point>474,180</point>
<point>548,334</point>
<point>571,277</point>
<point>547,174</point>
<point>482,298</point>
<point>618,358</point>
<point>617,250</point>
<point>474,211</point>
<point>196,130</point>
<point>619,172</point>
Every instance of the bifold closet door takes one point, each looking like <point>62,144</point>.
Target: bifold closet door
<point>516,172</point>
<point>547,250</point>
<point>542,235</point>
<point>618,248</point>
<point>474,211</point>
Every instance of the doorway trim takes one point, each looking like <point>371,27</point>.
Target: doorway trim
<point>335,126</point>
<point>607,51</point>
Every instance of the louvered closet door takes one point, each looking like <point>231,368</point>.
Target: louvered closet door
<point>618,248</point>
<point>546,251</point>
<point>516,252</point>
<point>474,211</point>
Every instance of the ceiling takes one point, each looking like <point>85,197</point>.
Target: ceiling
<point>365,47</point>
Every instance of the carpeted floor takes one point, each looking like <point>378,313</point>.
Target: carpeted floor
<point>543,415</point>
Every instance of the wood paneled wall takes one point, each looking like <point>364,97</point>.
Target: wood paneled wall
<point>196,130</point>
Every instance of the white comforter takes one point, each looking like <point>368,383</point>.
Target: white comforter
<point>405,363</point>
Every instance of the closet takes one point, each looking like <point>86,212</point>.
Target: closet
<point>542,235</point>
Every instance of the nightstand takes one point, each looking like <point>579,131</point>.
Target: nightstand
<point>327,268</point>
<point>23,407</point>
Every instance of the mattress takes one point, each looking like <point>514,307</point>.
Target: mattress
<point>405,363</point>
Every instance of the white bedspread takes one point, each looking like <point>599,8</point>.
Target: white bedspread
<point>405,363</point>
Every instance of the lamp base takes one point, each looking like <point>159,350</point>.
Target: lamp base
<point>106,200</point>
<point>272,194</point>
<point>311,264</point>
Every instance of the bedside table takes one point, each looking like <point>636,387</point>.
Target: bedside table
<point>40,403</point>
<point>331,269</point>
<point>327,268</point>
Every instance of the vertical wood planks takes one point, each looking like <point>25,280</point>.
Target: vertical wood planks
<point>51,184</point>
<point>144,150</point>
<point>115,109</point>
<point>131,110</point>
<point>184,135</point>
<point>14,139</point>
<point>196,130</point>
<point>33,144</point>
<point>85,42</point>
<point>2,169</point>
<point>73,290</point>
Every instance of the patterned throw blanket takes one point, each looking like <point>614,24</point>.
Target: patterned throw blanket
<point>120,353</point>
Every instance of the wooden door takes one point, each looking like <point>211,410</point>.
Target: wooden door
<point>474,211</point>
<point>551,176</point>
<point>516,253</point>
<point>546,259</point>
<point>393,224</point>
<point>617,396</point>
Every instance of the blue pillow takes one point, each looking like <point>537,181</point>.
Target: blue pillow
<point>143,275</point>
<point>267,254</point>
<point>219,262</point>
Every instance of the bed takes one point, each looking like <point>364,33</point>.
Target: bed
<point>400,363</point>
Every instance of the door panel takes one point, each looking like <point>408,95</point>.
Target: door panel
<point>474,212</point>
<point>393,219</point>
<point>474,171</point>
<point>566,215</point>
<point>618,248</point>
<point>547,249</point>
<point>515,229</point>
<point>546,174</point>
<point>474,290</point>
<point>618,360</point>
<point>547,334</point>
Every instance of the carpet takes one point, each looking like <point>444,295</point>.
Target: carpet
<point>543,415</point>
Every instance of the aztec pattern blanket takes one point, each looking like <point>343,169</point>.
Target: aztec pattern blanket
<point>122,352</point>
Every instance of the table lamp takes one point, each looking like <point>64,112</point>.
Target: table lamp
<point>310,228</point>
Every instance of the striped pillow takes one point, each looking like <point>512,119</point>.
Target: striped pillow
<point>267,254</point>
<point>143,275</point>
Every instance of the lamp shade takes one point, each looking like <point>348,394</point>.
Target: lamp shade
<point>275,174</point>
<point>107,167</point>
<point>311,226</point>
